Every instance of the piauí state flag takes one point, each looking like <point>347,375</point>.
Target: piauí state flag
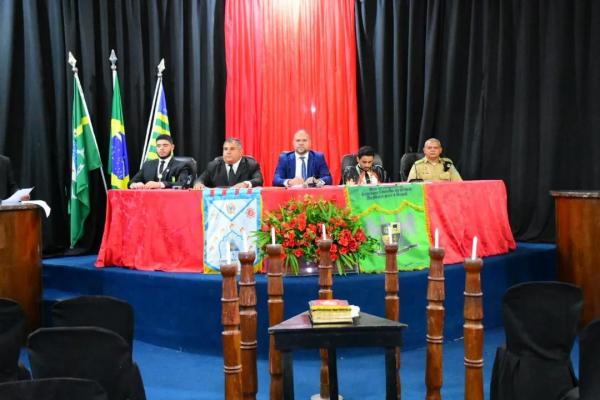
<point>85,158</point>
<point>160,125</point>
<point>118,165</point>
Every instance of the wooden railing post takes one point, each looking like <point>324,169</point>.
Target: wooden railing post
<point>248,324</point>
<point>230,318</point>
<point>435,323</point>
<point>392,300</point>
<point>275,305</point>
<point>325,292</point>
<point>473,330</point>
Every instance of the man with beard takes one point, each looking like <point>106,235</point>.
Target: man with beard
<point>164,172</point>
<point>302,166</point>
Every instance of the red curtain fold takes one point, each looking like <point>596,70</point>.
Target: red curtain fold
<point>291,64</point>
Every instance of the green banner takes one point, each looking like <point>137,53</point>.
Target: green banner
<point>401,208</point>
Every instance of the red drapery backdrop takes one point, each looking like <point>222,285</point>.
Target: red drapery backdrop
<point>291,64</point>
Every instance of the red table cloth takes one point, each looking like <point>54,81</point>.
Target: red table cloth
<point>162,229</point>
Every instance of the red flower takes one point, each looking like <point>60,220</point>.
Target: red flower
<point>353,246</point>
<point>343,250</point>
<point>302,222</point>
<point>298,252</point>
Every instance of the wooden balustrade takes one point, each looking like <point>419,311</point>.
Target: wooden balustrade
<point>435,323</point>
<point>248,324</point>
<point>275,307</point>
<point>473,330</point>
<point>392,300</point>
<point>230,318</point>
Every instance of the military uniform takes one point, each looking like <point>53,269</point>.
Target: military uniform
<point>440,171</point>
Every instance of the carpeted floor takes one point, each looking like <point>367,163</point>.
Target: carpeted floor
<point>172,375</point>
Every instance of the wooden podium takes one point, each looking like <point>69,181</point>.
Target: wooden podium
<point>577,235</point>
<point>20,258</point>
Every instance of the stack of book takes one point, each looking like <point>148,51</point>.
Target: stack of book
<point>331,311</point>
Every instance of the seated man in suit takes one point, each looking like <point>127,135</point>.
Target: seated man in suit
<point>231,170</point>
<point>432,167</point>
<point>364,172</point>
<point>301,166</point>
<point>164,172</point>
<point>7,180</point>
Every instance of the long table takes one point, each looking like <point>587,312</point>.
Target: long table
<point>163,229</point>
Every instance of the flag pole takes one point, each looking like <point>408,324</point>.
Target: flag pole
<point>161,68</point>
<point>73,62</point>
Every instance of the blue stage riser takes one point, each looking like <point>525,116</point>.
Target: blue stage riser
<point>183,311</point>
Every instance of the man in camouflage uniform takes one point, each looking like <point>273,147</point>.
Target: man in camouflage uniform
<point>432,167</point>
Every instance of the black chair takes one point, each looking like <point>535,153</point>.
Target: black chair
<point>589,364</point>
<point>88,353</point>
<point>349,160</point>
<point>52,389</point>
<point>540,320</point>
<point>190,162</point>
<point>406,163</point>
<point>12,336</point>
<point>100,311</point>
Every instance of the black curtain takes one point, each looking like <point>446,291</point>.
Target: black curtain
<point>511,88</point>
<point>36,86</point>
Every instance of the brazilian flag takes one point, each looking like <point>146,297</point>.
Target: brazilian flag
<point>85,158</point>
<point>118,165</point>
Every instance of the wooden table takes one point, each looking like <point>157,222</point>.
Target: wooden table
<point>577,235</point>
<point>366,331</point>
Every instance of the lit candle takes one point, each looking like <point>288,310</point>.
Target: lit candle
<point>390,237</point>
<point>272,235</point>
<point>228,253</point>
<point>474,252</point>
<point>324,234</point>
<point>437,238</point>
<point>245,241</point>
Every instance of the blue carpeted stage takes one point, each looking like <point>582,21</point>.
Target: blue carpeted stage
<point>182,311</point>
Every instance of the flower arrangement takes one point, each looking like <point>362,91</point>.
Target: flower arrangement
<point>298,227</point>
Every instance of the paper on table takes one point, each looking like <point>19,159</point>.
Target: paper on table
<point>40,203</point>
<point>16,197</point>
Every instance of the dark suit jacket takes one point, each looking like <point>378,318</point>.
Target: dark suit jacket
<point>7,180</point>
<point>176,173</point>
<point>316,166</point>
<point>215,174</point>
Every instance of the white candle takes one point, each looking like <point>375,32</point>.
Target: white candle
<point>245,241</point>
<point>272,235</point>
<point>228,253</point>
<point>474,252</point>
<point>324,234</point>
<point>390,237</point>
<point>437,238</point>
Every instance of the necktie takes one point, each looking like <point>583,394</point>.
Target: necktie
<point>231,175</point>
<point>303,167</point>
<point>161,168</point>
<point>367,178</point>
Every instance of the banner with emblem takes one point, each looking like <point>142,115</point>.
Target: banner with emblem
<point>230,215</point>
<point>395,209</point>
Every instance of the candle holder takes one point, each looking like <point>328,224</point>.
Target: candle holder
<point>435,323</point>
<point>473,329</point>
<point>248,323</point>
<point>230,318</point>
<point>275,307</point>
